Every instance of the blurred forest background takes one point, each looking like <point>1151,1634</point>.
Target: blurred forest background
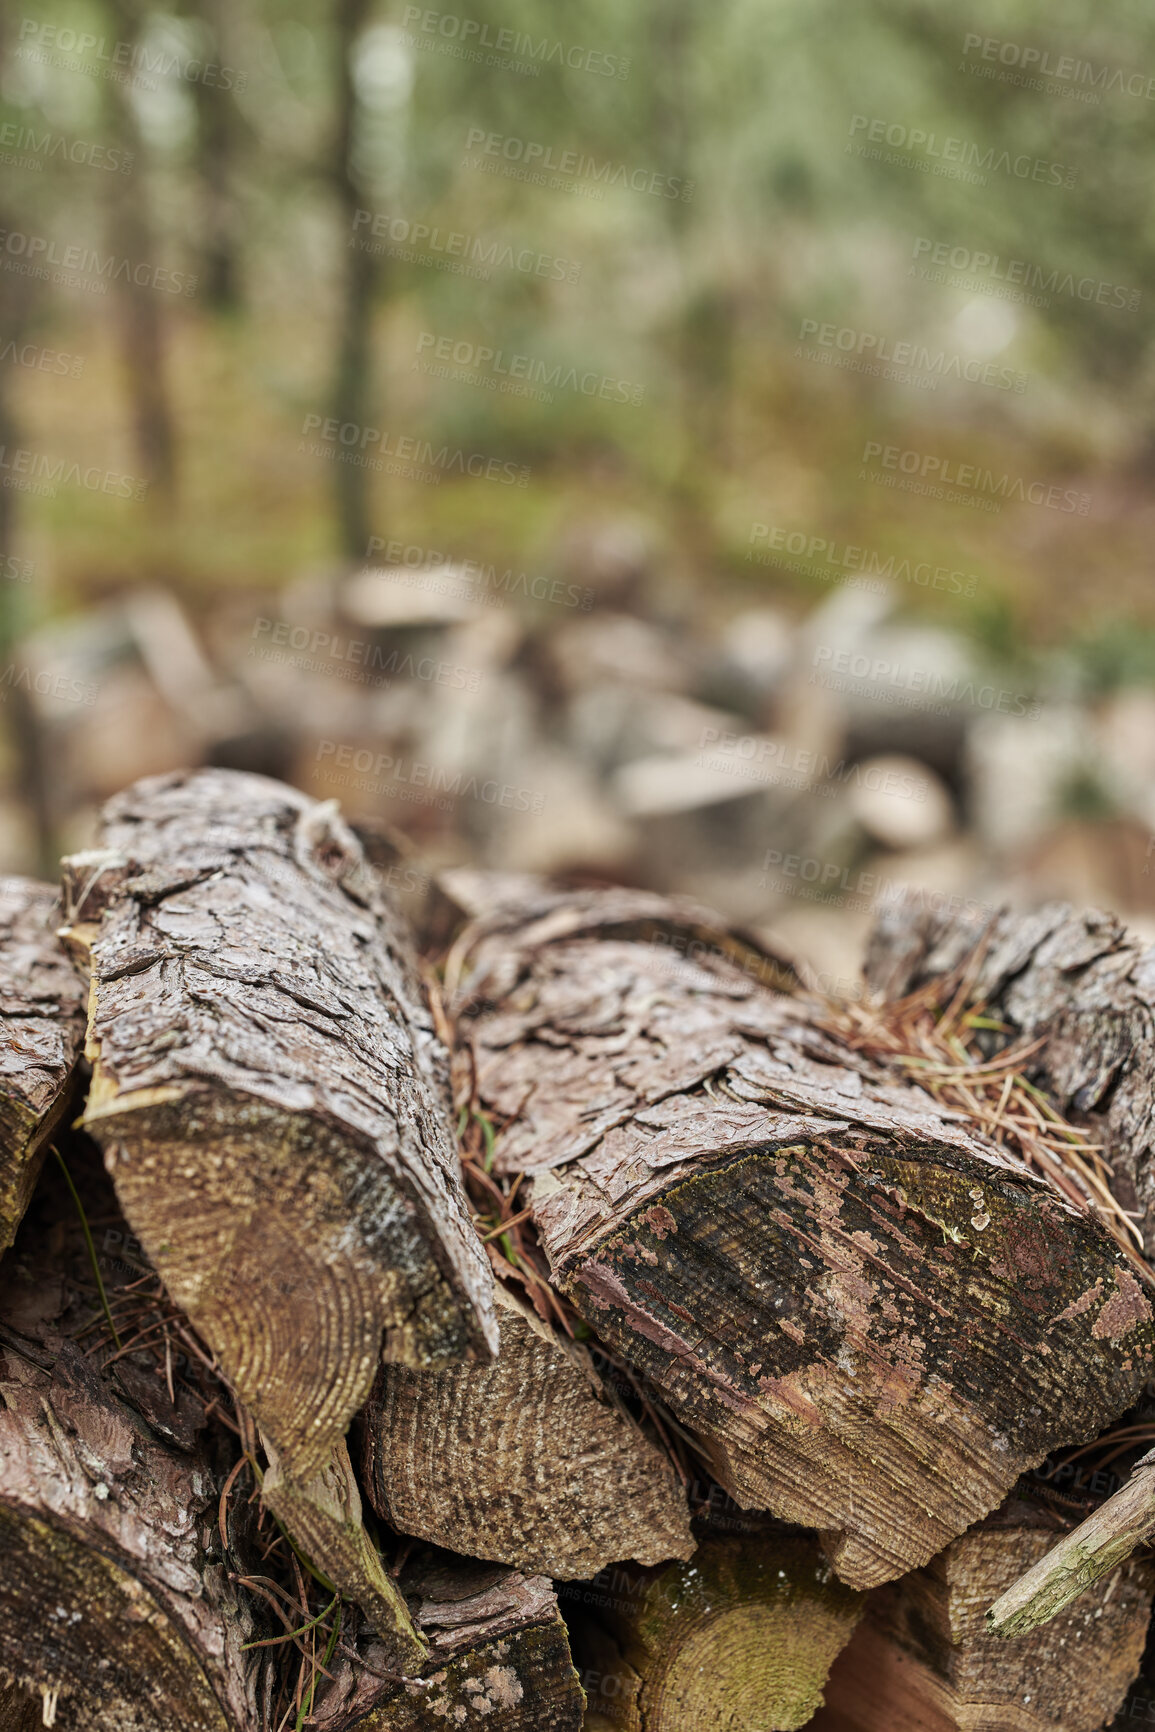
<point>707,446</point>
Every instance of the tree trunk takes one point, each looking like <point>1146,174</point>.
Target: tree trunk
<point>119,1610</point>
<point>525,1462</point>
<point>499,1658</point>
<point>787,1240</point>
<point>922,1661</point>
<point>743,1636</point>
<point>217,127</point>
<point>1081,983</point>
<point>140,315</point>
<point>353,398</point>
<point>41,1035</point>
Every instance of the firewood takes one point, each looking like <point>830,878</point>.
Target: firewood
<point>499,1658</point>
<point>1092,1550</point>
<point>41,1036</point>
<point>1079,984</point>
<point>525,1461</point>
<point>922,1658</point>
<point>270,1097</point>
<point>873,1316</point>
<point>324,1517</point>
<point>744,1635</point>
<point>119,1606</point>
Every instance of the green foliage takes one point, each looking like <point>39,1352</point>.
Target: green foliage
<point>704,305</point>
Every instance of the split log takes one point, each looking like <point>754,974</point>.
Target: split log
<point>1096,1547</point>
<point>499,1658</point>
<point>1081,983</point>
<point>118,1611</point>
<point>742,1636</point>
<point>324,1517</point>
<point>922,1660</point>
<point>786,1241</point>
<point>41,1036</point>
<point>525,1462</point>
<point>270,1097</point>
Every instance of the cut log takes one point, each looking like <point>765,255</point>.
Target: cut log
<point>270,1098</point>
<point>525,1462</point>
<point>1081,983</point>
<point>743,1636</point>
<point>922,1661</point>
<point>499,1658</point>
<point>117,1608</point>
<point>1097,1546</point>
<point>789,1243</point>
<point>41,1037</point>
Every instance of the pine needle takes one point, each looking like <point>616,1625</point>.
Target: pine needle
<point>91,1247</point>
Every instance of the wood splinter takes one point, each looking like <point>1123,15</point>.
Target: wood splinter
<point>1100,1544</point>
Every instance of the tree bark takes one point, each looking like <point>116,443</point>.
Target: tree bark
<point>499,1658</point>
<point>118,1607</point>
<point>269,1096</point>
<point>786,1240</point>
<point>743,1636</point>
<point>1079,981</point>
<point>923,1662</point>
<point>41,1036</point>
<point>525,1462</point>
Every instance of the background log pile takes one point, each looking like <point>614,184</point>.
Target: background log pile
<point>557,1320</point>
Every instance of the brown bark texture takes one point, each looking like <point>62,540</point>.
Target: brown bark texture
<point>41,1038</point>
<point>117,1608</point>
<point>499,1658</point>
<point>873,1316</point>
<point>1080,983</point>
<point>271,1098</point>
<point>527,1461</point>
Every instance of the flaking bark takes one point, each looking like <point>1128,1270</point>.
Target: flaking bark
<point>874,1317</point>
<point>41,1037</point>
<point>499,1658</point>
<point>1079,981</point>
<point>525,1462</point>
<point>270,1098</point>
<point>117,1610</point>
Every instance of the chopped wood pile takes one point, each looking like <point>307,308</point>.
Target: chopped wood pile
<point>555,1319</point>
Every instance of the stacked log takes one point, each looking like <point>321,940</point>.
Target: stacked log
<point>363,1429</point>
<point>743,1635</point>
<point>923,1656</point>
<point>788,1241</point>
